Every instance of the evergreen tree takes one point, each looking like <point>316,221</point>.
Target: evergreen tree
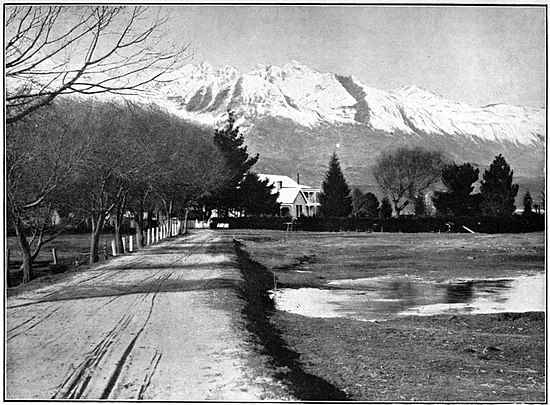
<point>237,163</point>
<point>386,209</point>
<point>256,196</point>
<point>364,205</point>
<point>358,202</point>
<point>497,190</point>
<point>371,206</point>
<point>335,197</point>
<point>458,200</point>
<point>527,204</point>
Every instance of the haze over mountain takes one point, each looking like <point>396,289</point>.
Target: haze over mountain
<point>295,117</point>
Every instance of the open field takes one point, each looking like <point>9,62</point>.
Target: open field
<point>71,249</point>
<point>487,357</point>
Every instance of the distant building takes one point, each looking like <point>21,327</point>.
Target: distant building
<point>296,199</point>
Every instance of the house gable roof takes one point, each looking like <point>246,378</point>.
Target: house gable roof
<point>288,195</point>
<point>289,191</point>
<point>286,181</point>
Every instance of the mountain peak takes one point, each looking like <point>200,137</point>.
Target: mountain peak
<point>411,89</point>
<point>296,65</point>
<point>311,98</point>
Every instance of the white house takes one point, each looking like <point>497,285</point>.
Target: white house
<point>296,199</point>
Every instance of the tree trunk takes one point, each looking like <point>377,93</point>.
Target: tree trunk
<point>149,219</point>
<point>185,221</point>
<point>97,226</point>
<point>26,266</point>
<point>138,219</point>
<point>118,236</point>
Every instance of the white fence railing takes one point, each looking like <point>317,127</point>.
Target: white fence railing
<point>150,236</point>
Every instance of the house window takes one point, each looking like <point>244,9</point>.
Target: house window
<point>299,210</point>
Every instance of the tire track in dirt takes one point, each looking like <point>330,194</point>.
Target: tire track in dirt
<point>113,274</point>
<point>149,372</point>
<point>144,255</point>
<point>9,337</point>
<point>164,330</point>
<point>76,384</point>
<point>114,377</point>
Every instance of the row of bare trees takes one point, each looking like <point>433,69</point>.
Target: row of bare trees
<point>85,160</point>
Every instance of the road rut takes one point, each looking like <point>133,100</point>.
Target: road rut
<point>158,324</point>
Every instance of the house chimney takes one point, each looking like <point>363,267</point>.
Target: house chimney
<point>298,178</point>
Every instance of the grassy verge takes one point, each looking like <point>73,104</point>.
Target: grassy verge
<point>460,358</point>
<point>71,249</point>
<point>497,357</point>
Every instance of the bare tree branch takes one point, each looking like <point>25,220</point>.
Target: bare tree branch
<point>53,50</point>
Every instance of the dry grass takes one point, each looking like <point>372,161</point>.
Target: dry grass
<point>442,358</point>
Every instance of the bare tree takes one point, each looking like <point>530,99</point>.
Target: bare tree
<point>53,50</point>
<point>42,152</point>
<point>405,172</point>
<point>99,188</point>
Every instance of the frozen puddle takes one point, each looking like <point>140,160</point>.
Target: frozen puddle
<point>388,297</point>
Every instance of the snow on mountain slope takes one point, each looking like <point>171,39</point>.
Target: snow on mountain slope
<point>309,98</point>
<point>430,113</point>
<point>311,90</point>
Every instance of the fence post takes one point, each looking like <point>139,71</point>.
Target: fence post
<point>113,247</point>
<point>124,244</point>
<point>54,255</point>
<point>148,236</point>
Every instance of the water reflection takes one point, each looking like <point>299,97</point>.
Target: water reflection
<point>385,297</point>
<point>460,292</point>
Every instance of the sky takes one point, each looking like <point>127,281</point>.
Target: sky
<point>477,55</point>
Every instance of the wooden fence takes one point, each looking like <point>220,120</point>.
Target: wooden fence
<point>150,236</point>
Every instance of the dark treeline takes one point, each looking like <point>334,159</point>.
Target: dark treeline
<point>411,180</point>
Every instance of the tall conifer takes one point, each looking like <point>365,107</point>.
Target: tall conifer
<point>335,196</point>
<point>497,190</point>
<point>237,163</point>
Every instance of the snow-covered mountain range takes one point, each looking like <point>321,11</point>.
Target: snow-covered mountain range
<point>311,98</point>
<point>296,117</point>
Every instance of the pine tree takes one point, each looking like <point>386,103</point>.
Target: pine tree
<point>497,190</point>
<point>458,200</point>
<point>386,209</point>
<point>335,197</point>
<point>256,196</point>
<point>237,163</point>
<point>358,203</point>
<point>372,206</point>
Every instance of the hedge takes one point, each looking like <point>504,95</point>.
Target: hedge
<point>406,224</point>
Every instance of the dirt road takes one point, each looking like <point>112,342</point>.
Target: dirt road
<point>161,324</point>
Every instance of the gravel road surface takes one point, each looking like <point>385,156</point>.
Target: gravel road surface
<point>159,324</point>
